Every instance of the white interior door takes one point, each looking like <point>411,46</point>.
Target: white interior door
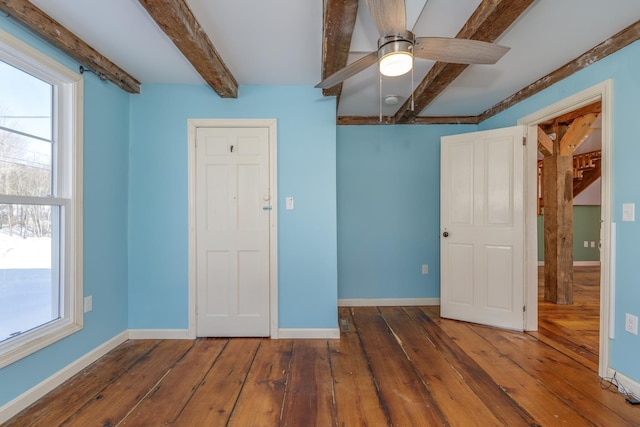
<point>232,231</point>
<point>483,228</point>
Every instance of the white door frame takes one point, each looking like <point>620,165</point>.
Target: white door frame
<point>601,92</point>
<point>271,124</point>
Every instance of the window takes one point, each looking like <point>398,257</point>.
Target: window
<point>40,200</point>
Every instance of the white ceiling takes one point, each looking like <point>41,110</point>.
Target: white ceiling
<point>279,42</point>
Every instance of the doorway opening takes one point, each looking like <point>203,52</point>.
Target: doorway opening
<point>586,337</point>
<point>569,284</point>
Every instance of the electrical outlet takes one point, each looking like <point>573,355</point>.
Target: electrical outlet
<point>631,324</point>
<point>425,268</point>
<point>586,244</point>
<point>88,304</point>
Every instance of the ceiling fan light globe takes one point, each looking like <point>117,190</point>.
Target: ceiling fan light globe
<point>396,64</point>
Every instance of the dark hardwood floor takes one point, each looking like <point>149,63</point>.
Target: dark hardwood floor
<point>394,367</point>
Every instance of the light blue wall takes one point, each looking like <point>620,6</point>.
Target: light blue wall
<point>158,239</point>
<point>105,229</point>
<point>389,210</point>
<point>623,68</point>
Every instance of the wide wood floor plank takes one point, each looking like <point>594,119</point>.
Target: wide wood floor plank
<point>309,395</point>
<point>563,345</point>
<point>260,402</point>
<point>169,397</point>
<point>114,402</point>
<point>575,332</point>
<point>527,390</point>
<point>356,395</point>
<point>58,405</point>
<point>502,405</point>
<point>212,403</point>
<point>404,395</point>
<point>445,383</point>
<point>575,384</point>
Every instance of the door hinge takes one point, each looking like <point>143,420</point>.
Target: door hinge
<point>524,140</point>
<point>524,308</point>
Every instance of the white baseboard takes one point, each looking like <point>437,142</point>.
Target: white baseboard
<point>579,263</point>
<point>387,302</point>
<point>160,334</point>
<point>329,333</point>
<point>626,382</point>
<point>38,391</point>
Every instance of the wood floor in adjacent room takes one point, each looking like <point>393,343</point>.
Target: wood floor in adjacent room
<point>573,329</point>
<point>394,367</point>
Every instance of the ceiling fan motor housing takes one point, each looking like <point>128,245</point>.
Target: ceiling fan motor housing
<point>393,47</point>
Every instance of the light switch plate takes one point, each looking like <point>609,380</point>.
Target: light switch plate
<point>629,212</point>
<point>289,203</point>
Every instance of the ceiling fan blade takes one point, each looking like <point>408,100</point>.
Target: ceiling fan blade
<point>458,51</point>
<point>348,71</point>
<point>389,16</point>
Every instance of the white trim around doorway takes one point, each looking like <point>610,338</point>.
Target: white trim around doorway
<point>271,124</point>
<point>602,92</point>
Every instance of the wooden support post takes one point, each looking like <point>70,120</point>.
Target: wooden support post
<point>558,229</point>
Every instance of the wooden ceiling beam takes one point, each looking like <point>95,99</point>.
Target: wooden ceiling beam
<point>578,131</point>
<point>488,22</point>
<point>339,21</point>
<point>545,144</point>
<point>362,120</point>
<point>569,117</point>
<point>420,120</point>
<point>604,49</point>
<point>177,21</point>
<point>446,120</point>
<point>37,21</point>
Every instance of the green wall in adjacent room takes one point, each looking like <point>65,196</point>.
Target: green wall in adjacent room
<point>586,227</point>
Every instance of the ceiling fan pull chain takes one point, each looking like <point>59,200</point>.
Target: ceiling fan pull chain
<point>380,104</point>
<point>411,88</point>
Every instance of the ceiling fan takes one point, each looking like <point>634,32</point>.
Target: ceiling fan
<point>398,46</point>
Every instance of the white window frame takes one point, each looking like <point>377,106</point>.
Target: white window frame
<point>68,177</point>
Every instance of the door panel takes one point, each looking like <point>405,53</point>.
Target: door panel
<point>232,237</point>
<point>482,217</point>
<point>462,293</point>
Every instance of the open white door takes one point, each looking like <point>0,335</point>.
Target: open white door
<point>483,228</point>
